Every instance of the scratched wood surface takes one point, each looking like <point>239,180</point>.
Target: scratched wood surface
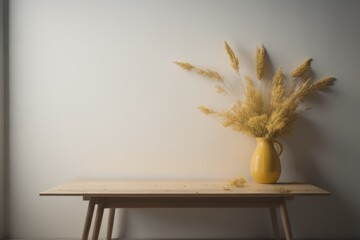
<point>117,188</point>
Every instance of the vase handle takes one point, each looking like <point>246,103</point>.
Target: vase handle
<point>278,147</point>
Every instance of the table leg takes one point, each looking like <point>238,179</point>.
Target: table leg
<point>274,222</point>
<point>285,220</point>
<point>88,219</point>
<point>110,223</point>
<point>98,219</point>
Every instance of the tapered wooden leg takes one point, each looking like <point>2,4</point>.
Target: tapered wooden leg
<point>88,219</point>
<point>275,224</point>
<point>110,223</point>
<point>98,219</point>
<point>285,220</point>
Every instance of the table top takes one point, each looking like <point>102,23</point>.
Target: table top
<point>158,188</point>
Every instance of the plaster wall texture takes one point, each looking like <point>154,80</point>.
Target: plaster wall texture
<point>94,93</point>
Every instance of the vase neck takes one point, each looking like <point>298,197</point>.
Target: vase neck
<point>264,139</point>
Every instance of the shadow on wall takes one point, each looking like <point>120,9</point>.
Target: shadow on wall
<point>318,215</point>
<point>120,225</point>
<point>197,223</point>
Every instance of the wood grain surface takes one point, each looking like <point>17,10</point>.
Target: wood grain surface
<point>114,188</point>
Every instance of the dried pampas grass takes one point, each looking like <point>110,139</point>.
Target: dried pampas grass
<point>260,61</point>
<point>237,182</point>
<point>302,69</point>
<point>220,89</point>
<point>184,65</point>
<point>211,74</point>
<point>262,113</point>
<point>234,61</point>
<point>206,110</point>
<point>323,83</point>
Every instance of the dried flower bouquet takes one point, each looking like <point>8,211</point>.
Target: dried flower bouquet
<point>267,109</point>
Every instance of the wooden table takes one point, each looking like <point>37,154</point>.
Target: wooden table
<point>114,194</point>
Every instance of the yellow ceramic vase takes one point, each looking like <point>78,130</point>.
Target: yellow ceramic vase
<point>265,163</point>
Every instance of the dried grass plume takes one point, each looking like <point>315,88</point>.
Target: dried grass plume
<point>234,61</point>
<point>260,61</point>
<point>302,69</point>
<point>259,112</point>
<point>237,182</point>
<point>206,110</point>
<point>185,65</point>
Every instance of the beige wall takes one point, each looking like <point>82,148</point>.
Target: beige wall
<point>94,94</point>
